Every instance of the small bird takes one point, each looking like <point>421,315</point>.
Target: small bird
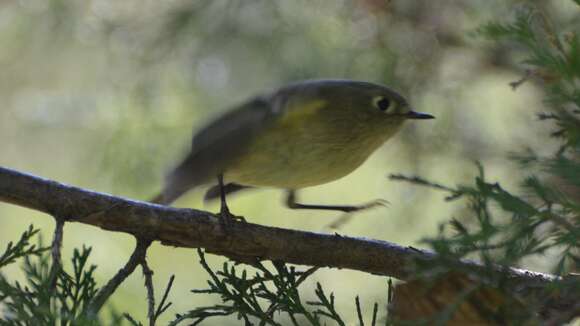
<point>301,135</point>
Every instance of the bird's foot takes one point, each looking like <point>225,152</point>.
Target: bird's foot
<point>226,217</point>
<point>362,207</point>
<point>347,216</point>
<point>369,205</point>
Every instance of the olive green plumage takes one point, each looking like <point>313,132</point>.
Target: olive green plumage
<point>301,135</point>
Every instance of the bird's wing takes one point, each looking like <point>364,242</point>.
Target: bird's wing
<point>216,145</point>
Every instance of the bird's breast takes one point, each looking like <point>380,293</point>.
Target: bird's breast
<point>294,156</point>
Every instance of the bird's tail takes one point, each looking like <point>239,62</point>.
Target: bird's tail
<point>178,182</point>
<point>159,199</point>
<point>168,195</point>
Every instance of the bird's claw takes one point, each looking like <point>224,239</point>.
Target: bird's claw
<point>374,203</point>
<point>226,217</point>
<point>369,205</point>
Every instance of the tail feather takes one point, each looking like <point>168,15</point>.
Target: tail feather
<point>167,197</point>
<point>159,199</point>
<point>178,182</point>
<point>164,199</point>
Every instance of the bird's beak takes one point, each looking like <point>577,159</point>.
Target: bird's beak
<point>418,115</point>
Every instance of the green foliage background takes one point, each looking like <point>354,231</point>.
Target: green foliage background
<point>105,94</point>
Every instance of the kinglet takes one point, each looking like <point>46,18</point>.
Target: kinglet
<point>301,135</point>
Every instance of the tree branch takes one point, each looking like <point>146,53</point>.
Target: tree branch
<point>243,241</point>
<point>55,252</point>
<point>148,274</point>
<point>137,257</point>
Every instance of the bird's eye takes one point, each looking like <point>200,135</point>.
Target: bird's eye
<point>383,103</point>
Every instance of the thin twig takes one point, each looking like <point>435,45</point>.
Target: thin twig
<point>306,274</point>
<point>56,246</point>
<point>162,306</point>
<point>148,274</point>
<point>390,290</point>
<point>361,321</point>
<point>106,291</point>
<point>390,294</point>
<point>375,312</point>
<point>517,83</point>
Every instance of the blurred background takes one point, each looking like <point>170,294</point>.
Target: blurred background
<point>105,95</point>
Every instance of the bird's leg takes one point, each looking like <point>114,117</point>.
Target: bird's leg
<point>225,215</point>
<point>291,203</point>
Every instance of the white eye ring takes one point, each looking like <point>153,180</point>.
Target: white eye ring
<point>383,103</point>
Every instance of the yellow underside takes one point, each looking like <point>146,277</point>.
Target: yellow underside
<point>298,153</point>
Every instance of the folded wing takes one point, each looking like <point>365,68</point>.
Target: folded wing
<point>216,146</point>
